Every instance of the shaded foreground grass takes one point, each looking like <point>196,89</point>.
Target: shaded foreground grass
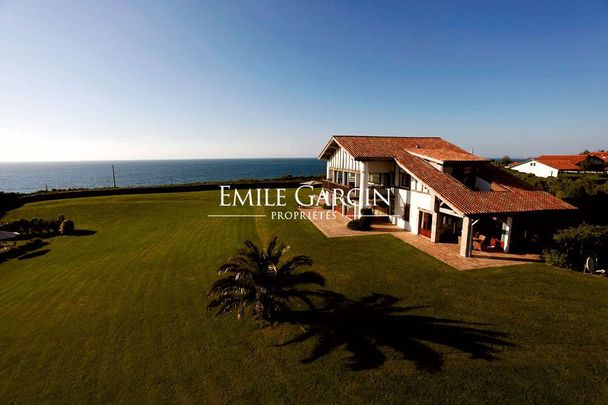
<point>119,316</point>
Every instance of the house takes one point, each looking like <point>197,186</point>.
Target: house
<point>601,155</point>
<point>553,165</point>
<point>434,189</point>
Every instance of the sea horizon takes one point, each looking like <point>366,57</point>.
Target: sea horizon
<point>148,160</point>
<point>28,177</point>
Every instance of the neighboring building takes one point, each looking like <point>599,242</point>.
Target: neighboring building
<point>436,188</point>
<point>602,155</point>
<point>553,165</point>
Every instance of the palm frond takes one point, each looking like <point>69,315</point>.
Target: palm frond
<point>294,263</point>
<point>256,284</point>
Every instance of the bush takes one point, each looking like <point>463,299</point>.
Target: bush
<point>555,258</point>
<point>358,225</point>
<point>366,217</point>
<point>571,246</point>
<point>66,227</point>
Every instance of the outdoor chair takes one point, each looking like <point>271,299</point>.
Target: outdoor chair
<point>479,243</point>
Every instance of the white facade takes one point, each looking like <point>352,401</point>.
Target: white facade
<point>537,168</point>
<point>408,193</point>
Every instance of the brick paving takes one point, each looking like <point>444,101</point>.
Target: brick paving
<point>446,252</point>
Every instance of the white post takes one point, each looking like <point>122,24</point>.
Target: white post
<point>507,230</point>
<point>363,192</point>
<point>466,237</point>
<point>435,219</point>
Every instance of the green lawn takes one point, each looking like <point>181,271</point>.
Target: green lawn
<point>119,316</point>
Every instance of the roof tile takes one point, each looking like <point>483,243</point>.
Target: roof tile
<point>517,196</point>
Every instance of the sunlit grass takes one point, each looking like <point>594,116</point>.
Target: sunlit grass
<point>120,315</point>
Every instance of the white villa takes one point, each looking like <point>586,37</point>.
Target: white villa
<point>554,165</point>
<point>436,189</point>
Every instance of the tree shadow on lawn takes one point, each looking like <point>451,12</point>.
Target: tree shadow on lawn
<point>23,251</point>
<point>32,248</point>
<point>36,253</point>
<point>374,322</point>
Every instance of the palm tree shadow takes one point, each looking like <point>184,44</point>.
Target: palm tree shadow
<point>82,232</point>
<point>367,327</point>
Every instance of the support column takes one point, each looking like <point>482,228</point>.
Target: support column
<point>466,237</point>
<point>363,192</point>
<point>435,220</point>
<point>507,230</point>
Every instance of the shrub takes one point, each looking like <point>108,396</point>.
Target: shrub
<point>366,217</point>
<point>571,246</point>
<point>66,227</point>
<point>555,258</point>
<point>359,225</point>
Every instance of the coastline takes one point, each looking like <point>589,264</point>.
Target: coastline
<point>11,200</point>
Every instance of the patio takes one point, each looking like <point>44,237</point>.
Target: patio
<point>446,252</point>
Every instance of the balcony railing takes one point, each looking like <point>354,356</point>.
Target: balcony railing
<point>330,186</point>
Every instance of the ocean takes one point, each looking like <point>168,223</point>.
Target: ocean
<point>30,177</point>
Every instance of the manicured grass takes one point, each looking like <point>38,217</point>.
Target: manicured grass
<point>119,316</point>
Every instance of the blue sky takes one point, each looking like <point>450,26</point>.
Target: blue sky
<point>144,80</point>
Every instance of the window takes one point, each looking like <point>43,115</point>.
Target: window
<point>374,178</point>
<point>406,179</point>
<point>406,212</point>
<point>351,179</point>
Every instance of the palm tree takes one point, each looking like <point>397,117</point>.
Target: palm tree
<point>258,285</point>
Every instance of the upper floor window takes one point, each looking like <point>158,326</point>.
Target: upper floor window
<point>352,179</point>
<point>406,179</point>
<point>419,186</point>
<point>339,177</point>
<point>374,178</point>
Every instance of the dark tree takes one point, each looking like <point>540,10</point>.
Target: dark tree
<point>505,160</point>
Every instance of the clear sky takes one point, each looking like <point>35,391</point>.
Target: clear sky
<point>87,80</point>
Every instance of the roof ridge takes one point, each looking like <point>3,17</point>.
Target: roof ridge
<point>572,155</point>
<point>386,136</point>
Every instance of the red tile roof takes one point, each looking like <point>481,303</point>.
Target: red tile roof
<point>378,147</point>
<point>562,162</point>
<point>517,196</point>
<point>601,155</point>
<point>442,155</point>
